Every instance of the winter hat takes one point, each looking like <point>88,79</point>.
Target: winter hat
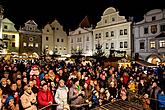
<point>8,99</point>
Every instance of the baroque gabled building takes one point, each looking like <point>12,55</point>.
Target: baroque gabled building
<point>10,36</point>
<point>80,41</point>
<point>30,39</point>
<point>113,33</point>
<point>54,39</point>
<point>149,37</point>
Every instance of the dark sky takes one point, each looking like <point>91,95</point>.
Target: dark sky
<point>70,12</point>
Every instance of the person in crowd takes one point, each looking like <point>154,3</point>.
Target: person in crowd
<point>153,90</point>
<point>61,96</point>
<point>146,102</point>
<point>9,104</point>
<point>28,99</point>
<point>45,97</point>
<point>76,95</point>
<point>1,97</point>
<point>4,86</point>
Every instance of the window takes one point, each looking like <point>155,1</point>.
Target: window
<point>105,21</point>
<point>96,36</point>
<point>47,30</point>
<point>87,48</point>
<point>162,27</point>
<point>71,40</point>
<point>121,44</point>
<point>146,30</point>
<point>36,45</point>
<point>79,32</point>
<point>153,29</point>
<point>47,38</point>
<point>6,44</point>
<point>58,40</point>
<point>13,36</point>
<point>57,29</point>
<point>95,46</point>
<point>60,48</point>
<point>107,34</point>
<point>24,44</point>
<point>141,45</point>
<point>5,26</point>
<point>77,39</point>
<point>106,46</point>
<point>13,44</point>
<point>113,19</point>
<point>99,35</point>
<point>64,48</point>
<point>87,38</point>
<point>162,43</point>
<point>112,33</point>
<point>121,32</point>
<point>153,18</point>
<point>125,44</point>
<point>125,31</point>
<point>112,45</point>
<point>62,40</point>
<point>80,39</point>
<point>152,44</point>
<point>30,44</point>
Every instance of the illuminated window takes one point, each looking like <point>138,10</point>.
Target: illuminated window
<point>30,44</point>
<point>107,46</point>
<point>36,45</point>
<point>162,43</point>
<point>24,44</point>
<point>152,44</point>
<point>153,29</point>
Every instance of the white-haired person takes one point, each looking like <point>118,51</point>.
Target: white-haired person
<point>61,96</point>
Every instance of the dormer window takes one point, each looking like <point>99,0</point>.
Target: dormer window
<point>5,26</point>
<point>79,32</point>
<point>113,19</point>
<point>153,18</point>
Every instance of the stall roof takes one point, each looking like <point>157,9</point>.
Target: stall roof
<point>145,63</point>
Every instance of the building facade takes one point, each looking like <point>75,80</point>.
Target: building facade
<point>54,39</point>
<point>10,37</point>
<point>30,39</point>
<point>80,41</point>
<point>149,37</point>
<point>113,32</point>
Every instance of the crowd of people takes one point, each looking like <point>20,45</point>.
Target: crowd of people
<point>48,84</point>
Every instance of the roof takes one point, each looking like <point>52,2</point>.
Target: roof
<point>145,63</point>
<point>160,35</point>
<point>85,22</point>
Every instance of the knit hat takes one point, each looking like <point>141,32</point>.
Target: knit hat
<point>8,99</point>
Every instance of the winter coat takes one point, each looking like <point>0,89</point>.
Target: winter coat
<point>27,100</point>
<point>61,97</point>
<point>74,98</point>
<point>44,97</point>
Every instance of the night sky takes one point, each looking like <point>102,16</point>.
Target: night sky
<point>70,12</point>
